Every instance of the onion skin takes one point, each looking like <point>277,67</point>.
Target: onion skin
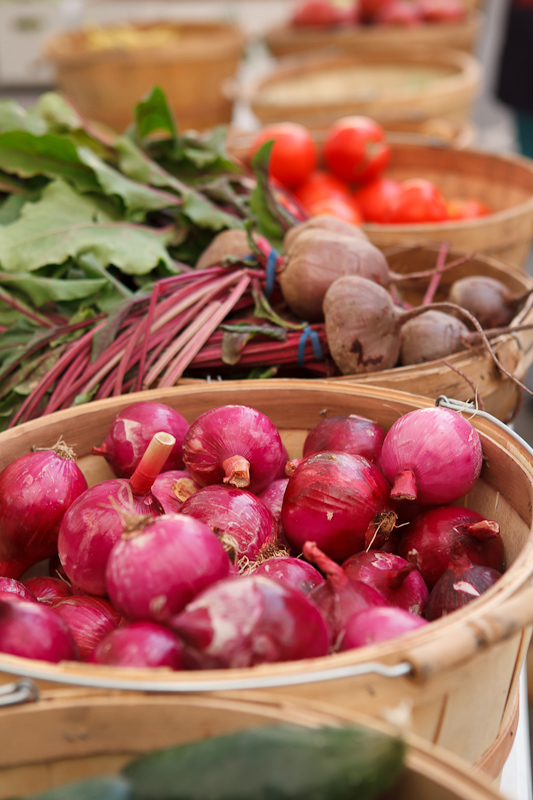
<point>339,501</point>
<point>93,523</point>
<point>339,597</point>
<point>434,334</point>
<point>46,589</point>
<point>431,455</point>
<point>17,588</point>
<point>346,433</point>
<point>233,444</point>
<point>245,621</point>
<point>35,492</point>
<point>140,644</point>
<point>394,577</point>
<point>172,488</point>
<point>432,537</point>
<point>272,497</point>
<point>316,258</point>
<point>33,630</point>
<point>374,625</point>
<point>131,432</point>
<point>362,326</point>
<point>89,620</point>
<point>461,583</point>
<point>291,571</point>
<point>184,557</point>
<point>240,520</point>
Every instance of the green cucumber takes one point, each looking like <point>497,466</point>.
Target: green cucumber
<point>281,762</point>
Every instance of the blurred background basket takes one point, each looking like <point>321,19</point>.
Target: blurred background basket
<point>287,39</point>
<point>442,673</point>
<point>441,84</point>
<point>106,71</point>
<point>69,740</point>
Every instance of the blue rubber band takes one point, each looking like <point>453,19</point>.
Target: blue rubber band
<point>309,333</point>
<point>270,272</point>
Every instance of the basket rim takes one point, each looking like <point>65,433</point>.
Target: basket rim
<point>62,48</point>
<point>284,32</point>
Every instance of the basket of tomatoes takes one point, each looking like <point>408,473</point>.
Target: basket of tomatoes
<point>404,192</point>
<point>375,26</point>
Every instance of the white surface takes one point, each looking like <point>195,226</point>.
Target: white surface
<point>516,776</point>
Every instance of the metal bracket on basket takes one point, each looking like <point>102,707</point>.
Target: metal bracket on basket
<point>22,691</point>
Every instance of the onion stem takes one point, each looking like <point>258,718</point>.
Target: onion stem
<point>152,462</point>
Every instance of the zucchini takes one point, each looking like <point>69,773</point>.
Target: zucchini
<point>278,762</point>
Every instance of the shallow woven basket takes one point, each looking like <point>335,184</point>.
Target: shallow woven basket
<point>416,85</point>
<point>443,674</point>
<point>503,182</point>
<point>106,84</point>
<point>56,741</point>
<point>288,39</point>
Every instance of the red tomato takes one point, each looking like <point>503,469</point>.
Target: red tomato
<point>377,198</point>
<point>419,201</point>
<point>371,8</point>
<point>399,12</point>
<point>321,185</point>
<point>355,149</point>
<point>294,155</point>
<point>443,10</point>
<point>337,207</point>
<point>322,13</point>
<point>467,209</point>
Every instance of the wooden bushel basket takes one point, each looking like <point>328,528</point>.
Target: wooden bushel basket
<point>54,742</point>
<point>458,677</point>
<point>288,39</point>
<point>106,84</point>
<point>418,84</point>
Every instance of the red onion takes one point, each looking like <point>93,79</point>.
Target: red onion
<point>160,565</point>
<point>339,597</point>
<point>133,429</point>
<point>47,589</point>
<point>241,521</point>
<point>244,621</point>
<point>33,630</point>
<point>172,488</point>
<point>97,519</point>
<point>233,444</point>
<point>338,500</point>
<point>272,497</point>
<point>395,578</point>
<point>89,619</point>
<point>291,571</point>
<point>140,644</point>
<point>35,492</point>
<point>461,583</point>
<point>17,588</point>
<point>346,433</point>
<point>432,455</point>
<point>431,537</point>
<point>373,625</point>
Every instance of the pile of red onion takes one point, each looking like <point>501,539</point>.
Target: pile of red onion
<point>200,555</point>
